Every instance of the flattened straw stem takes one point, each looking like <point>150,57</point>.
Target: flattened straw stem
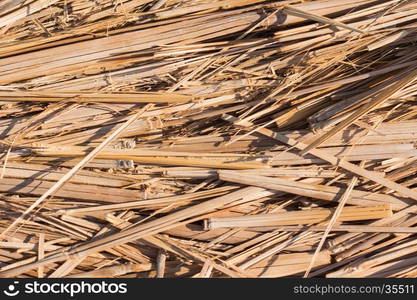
<point>160,264</point>
<point>41,253</point>
<point>307,15</point>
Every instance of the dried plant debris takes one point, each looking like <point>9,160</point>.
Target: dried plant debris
<point>226,138</point>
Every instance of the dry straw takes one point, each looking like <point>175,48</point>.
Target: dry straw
<point>231,138</point>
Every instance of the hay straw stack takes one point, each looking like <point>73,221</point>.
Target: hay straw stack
<point>230,138</point>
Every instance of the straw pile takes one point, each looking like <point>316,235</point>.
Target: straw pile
<point>195,138</point>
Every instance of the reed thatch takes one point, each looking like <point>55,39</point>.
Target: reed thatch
<point>226,138</point>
